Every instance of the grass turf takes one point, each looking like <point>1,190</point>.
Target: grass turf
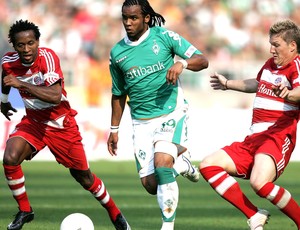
<point>54,194</point>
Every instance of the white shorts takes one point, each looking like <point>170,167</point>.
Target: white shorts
<point>171,128</point>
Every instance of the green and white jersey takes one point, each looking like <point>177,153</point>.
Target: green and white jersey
<point>139,69</point>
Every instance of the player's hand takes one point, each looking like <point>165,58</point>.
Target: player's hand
<point>174,73</point>
<point>6,108</point>
<point>12,81</point>
<point>218,81</point>
<point>280,90</point>
<point>112,143</point>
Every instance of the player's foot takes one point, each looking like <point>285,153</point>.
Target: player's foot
<point>258,221</point>
<point>120,223</point>
<point>192,173</point>
<point>20,219</point>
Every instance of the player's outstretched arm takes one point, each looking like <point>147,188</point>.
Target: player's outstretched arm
<point>219,82</point>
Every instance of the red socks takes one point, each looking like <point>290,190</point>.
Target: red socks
<point>16,182</point>
<point>226,186</point>
<point>282,199</point>
<point>100,193</point>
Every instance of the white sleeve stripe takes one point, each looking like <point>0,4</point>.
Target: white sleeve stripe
<point>297,62</point>
<point>225,185</point>
<point>12,58</point>
<point>49,61</point>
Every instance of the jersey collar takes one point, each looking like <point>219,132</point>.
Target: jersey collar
<point>136,43</point>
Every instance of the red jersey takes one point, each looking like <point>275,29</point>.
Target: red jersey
<point>268,108</point>
<point>45,71</point>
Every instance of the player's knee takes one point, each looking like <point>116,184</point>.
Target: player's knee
<point>150,189</point>
<point>11,158</point>
<point>256,185</point>
<point>150,185</point>
<point>205,163</point>
<point>84,178</point>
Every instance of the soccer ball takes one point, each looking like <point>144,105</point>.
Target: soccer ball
<point>77,221</point>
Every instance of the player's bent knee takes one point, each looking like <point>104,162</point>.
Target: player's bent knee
<point>204,163</point>
<point>256,185</point>
<point>11,159</point>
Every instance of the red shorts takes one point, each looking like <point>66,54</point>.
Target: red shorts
<point>277,142</point>
<point>64,143</point>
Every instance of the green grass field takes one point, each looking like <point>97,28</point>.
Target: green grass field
<point>54,194</point>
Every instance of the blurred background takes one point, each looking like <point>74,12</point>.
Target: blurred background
<point>232,34</point>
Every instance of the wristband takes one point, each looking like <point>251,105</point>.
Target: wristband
<point>184,63</point>
<point>4,98</point>
<point>226,84</point>
<point>114,129</point>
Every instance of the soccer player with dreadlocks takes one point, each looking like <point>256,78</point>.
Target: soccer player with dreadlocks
<point>142,67</point>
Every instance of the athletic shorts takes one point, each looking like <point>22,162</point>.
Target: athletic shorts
<point>277,141</point>
<point>171,128</point>
<point>64,143</point>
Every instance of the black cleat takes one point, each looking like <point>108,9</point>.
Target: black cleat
<point>120,223</point>
<point>20,219</point>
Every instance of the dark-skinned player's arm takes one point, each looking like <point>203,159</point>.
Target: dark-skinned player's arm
<point>6,107</point>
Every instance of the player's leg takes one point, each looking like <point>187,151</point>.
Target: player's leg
<point>17,149</point>
<point>96,187</point>
<point>68,150</point>
<point>167,187</point>
<point>184,167</point>
<point>177,121</point>
<point>262,177</point>
<point>217,169</point>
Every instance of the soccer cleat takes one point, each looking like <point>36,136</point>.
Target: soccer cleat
<point>167,226</point>
<point>120,223</point>
<point>192,173</point>
<point>257,221</point>
<point>20,219</point>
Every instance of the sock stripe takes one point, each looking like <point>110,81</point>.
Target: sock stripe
<point>15,181</point>
<point>225,185</point>
<point>19,191</point>
<point>273,193</point>
<point>285,199</point>
<point>216,177</point>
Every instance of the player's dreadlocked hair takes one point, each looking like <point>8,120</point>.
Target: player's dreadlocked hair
<point>155,18</point>
<point>20,26</point>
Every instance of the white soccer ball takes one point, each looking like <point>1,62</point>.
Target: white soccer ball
<point>77,221</point>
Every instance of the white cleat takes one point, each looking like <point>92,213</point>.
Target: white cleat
<point>192,173</point>
<point>258,221</point>
<point>167,226</point>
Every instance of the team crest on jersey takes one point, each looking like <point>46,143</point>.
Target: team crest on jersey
<point>278,80</point>
<point>155,47</point>
<point>37,79</point>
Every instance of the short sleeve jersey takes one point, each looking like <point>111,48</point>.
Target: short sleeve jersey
<point>45,71</point>
<point>139,69</point>
<point>267,106</point>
